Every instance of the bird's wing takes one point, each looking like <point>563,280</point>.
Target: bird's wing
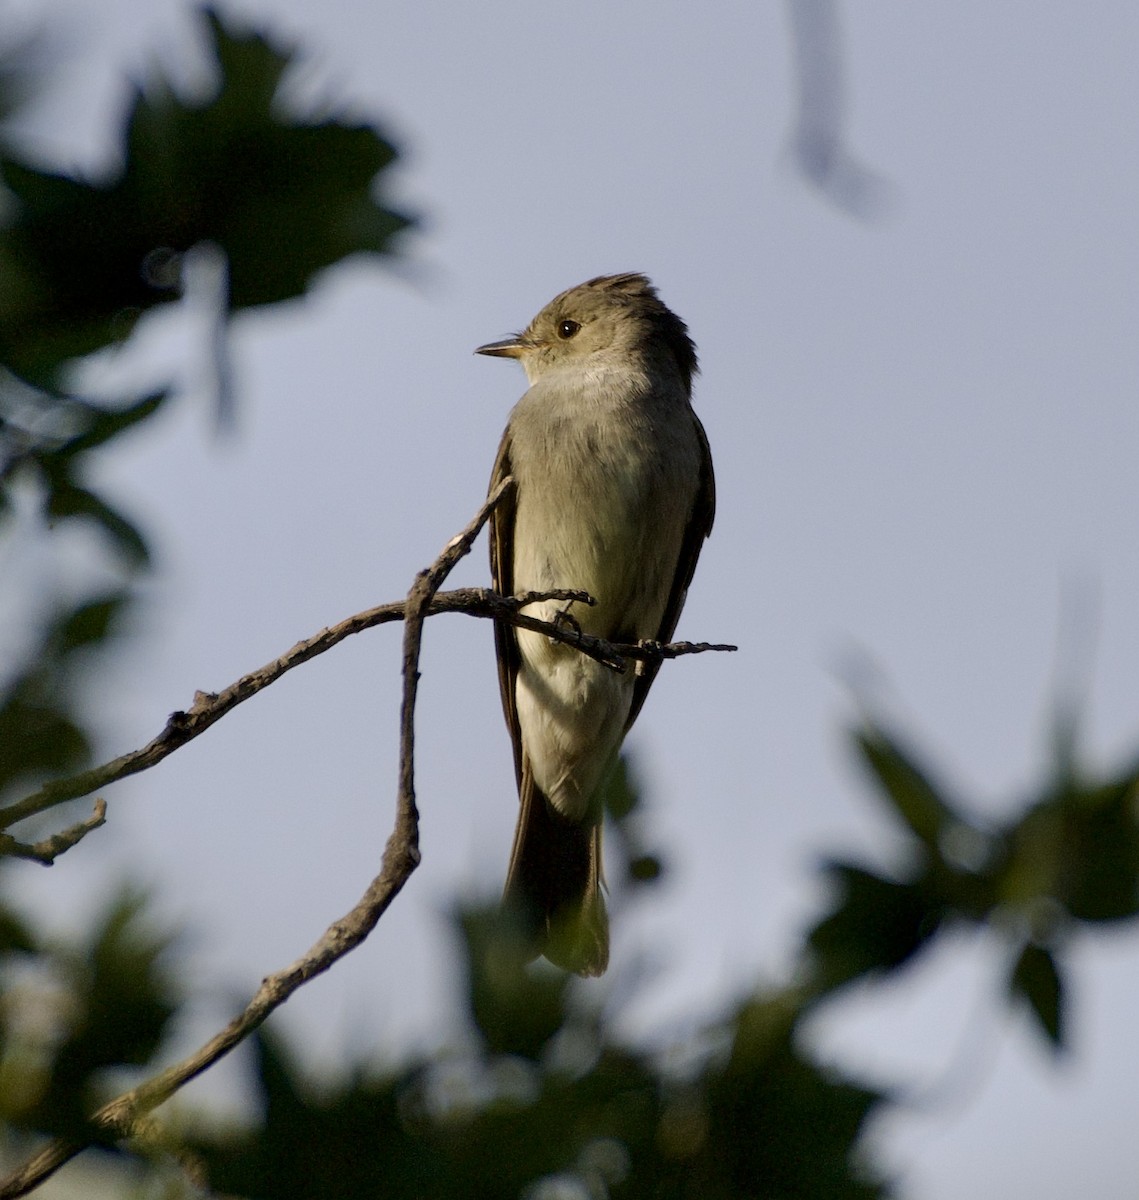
<point>502,580</point>
<point>698,528</point>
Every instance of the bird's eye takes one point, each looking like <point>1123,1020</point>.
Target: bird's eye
<point>567,328</point>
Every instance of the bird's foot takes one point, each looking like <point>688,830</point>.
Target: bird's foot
<point>564,619</point>
<point>642,664</point>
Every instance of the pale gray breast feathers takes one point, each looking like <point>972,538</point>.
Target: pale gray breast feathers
<point>607,466</point>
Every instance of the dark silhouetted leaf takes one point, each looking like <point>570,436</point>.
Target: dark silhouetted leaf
<point>91,622</point>
<point>56,435</point>
<point>906,785</point>
<point>39,733</point>
<point>38,737</point>
<point>123,998</point>
<point>130,995</point>
<point>102,424</point>
<point>517,1009</point>
<point>777,1124</point>
<point>341,1142</point>
<point>877,924</point>
<point>1036,979</point>
<point>622,799</point>
<point>645,868</point>
<point>622,791</point>
<point>71,262</point>
<point>284,197</point>
<point>1101,852</point>
<point>70,500</point>
<point>14,933</point>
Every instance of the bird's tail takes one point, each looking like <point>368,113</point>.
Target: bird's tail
<point>554,884</point>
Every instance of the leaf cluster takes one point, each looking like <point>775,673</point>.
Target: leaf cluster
<point>40,730</point>
<point>541,1099</point>
<point>75,1016</point>
<point>1068,858</point>
<point>568,1111</point>
<point>283,195</point>
<point>545,1100</point>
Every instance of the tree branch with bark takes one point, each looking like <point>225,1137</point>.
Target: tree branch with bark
<point>123,1116</point>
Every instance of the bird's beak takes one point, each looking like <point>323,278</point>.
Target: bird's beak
<point>511,347</point>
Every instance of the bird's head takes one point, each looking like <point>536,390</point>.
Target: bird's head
<point>614,317</point>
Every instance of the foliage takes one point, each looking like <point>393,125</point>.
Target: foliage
<point>543,1100</point>
<point>39,730</point>
<point>96,1007</point>
<point>578,1114</point>
<point>280,195</point>
<point>1068,858</point>
<point>546,1099</point>
<point>283,195</point>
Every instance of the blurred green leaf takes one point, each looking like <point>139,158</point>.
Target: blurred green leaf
<point>37,735</point>
<point>592,1120</point>
<point>1036,979</point>
<point>645,868</point>
<point>121,998</point>
<point>516,1008</point>
<point>70,261</point>
<point>337,1142</point>
<point>1077,847</point>
<point>622,790</point>
<point>15,934</point>
<point>622,800</point>
<point>51,435</point>
<point>283,195</point>
<point>1101,851</point>
<point>130,996</point>
<point>876,925</point>
<point>39,731</point>
<point>779,1126</point>
<point>906,785</point>
<point>68,499</point>
<point>579,1131</point>
<point>92,622</point>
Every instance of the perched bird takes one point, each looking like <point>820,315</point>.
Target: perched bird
<point>613,495</point>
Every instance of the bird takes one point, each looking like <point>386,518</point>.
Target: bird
<point>613,494</point>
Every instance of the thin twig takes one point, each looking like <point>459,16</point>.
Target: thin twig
<point>210,707</point>
<point>50,848</point>
<point>401,856</point>
<point>121,1116</point>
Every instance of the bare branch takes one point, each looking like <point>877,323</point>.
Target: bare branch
<point>658,651</point>
<point>209,707</point>
<point>50,848</point>
<point>123,1116</point>
<point>401,856</point>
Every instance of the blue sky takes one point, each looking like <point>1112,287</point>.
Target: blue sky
<point>924,431</point>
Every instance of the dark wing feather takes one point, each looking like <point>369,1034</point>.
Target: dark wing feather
<point>502,580</point>
<point>698,528</point>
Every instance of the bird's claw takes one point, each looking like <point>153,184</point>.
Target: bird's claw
<point>564,619</point>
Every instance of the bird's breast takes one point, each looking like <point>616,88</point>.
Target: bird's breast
<point>606,477</point>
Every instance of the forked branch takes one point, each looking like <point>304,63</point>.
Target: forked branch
<point>124,1115</point>
<point>401,857</point>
